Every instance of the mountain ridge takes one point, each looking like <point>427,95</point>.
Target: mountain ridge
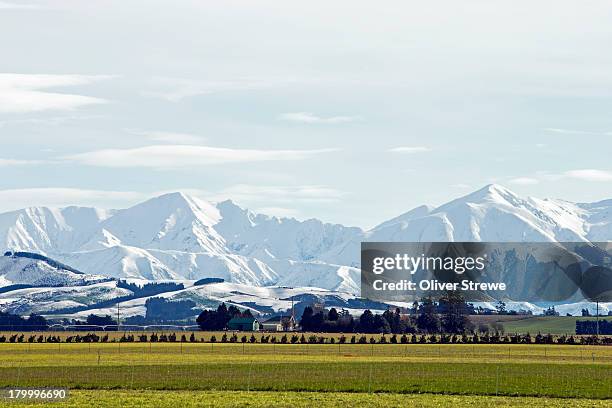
<point>177,236</point>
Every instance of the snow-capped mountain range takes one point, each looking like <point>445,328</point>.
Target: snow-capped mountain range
<point>182,238</point>
<point>175,236</point>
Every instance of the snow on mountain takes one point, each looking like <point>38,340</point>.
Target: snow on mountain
<point>120,261</point>
<point>22,270</point>
<point>340,278</point>
<point>285,238</point>
<point>175,236</point>
<point>42,229</point>
<point>172,221</point>
<point>47,299</point>
<point>495,214</point>
<point>598,220</point>
<point>258,299</point>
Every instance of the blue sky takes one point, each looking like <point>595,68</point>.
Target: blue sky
<point>349,112</point>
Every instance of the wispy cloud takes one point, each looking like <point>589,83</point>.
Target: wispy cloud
<point>577,132</point>
<point>524,181</point>
<point>594,175</point>
<point>21,93</point>
<point>410,149</point>
<point>278,200</point>
<point>14,199</point>
<point>308,117</point>
<point>168,137</point>
<point>257,194</point>
<point>177,156</point>
<point>590,175</point>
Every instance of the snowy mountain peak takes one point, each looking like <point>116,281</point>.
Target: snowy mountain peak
<point>179,203</point>
<point>171,221</point>
<point>490,194</point>
<point>229,209</point>
<point>177,236</point>
<point>495,189</point>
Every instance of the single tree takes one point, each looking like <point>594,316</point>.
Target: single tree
<point>455,315</point>
<point>428,320</point>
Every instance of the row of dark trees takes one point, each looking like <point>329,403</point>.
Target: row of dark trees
<point>34,322</point>
<point>21,338</point>
<point>161,309</point>
<point>594,327</point>
<point>296,338</point>
<point>449,315</point>
<point>149,289</point>
<point>217,319</point>
<point>94,321</point>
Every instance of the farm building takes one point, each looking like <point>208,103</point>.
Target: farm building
<point>279,323</point>
<point>243,324</point>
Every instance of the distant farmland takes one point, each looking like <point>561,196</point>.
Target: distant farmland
<point>535,324</point>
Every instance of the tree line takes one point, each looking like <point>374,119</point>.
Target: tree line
<point>593,327</point>
<point>11,322</point>
<point>449,315</point>
<point>218,319</point>
<point>303,338</point>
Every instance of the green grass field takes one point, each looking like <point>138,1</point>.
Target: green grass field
<point>224,399</point>
<point>456,374</point>
<point>546,324</point>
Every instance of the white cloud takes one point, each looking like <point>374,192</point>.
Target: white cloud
<point>255,195</point>
<point>168,137</point>
<point>523,181</point>
<point>176,156</point>
<point>308,117</point>
<point>577,132</point>
<point>589,175</point>
<point>16,162</point>
<point>278,211</point>
<point>21,93</point>
<point>410,149</point>
<point>14,199</point>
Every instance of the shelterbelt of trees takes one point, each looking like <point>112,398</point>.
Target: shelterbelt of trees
<point>10,322</point>
<point>303,338</point>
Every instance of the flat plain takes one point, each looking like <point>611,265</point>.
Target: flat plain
<point>245,374</point>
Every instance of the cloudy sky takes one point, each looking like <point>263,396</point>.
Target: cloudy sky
<point>349,112</point>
